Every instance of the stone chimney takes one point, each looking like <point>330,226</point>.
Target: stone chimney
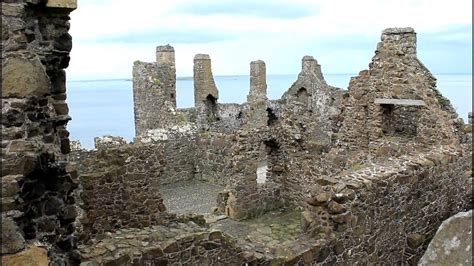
<point>165,60</point>
<point>204,85</point>
<point>258,81</point>
<point>257,98</point>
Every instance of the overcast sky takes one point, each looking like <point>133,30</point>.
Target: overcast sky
<point>108,35</point>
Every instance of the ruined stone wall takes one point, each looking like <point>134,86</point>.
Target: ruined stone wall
<point>37,183</point>
<point>231,117</point>
<point>312,104</point>
<point>249,195</point>
<point>154,92</point>
<point>118,191</point>
<point>389,212</point>
<point>120,185</point>
<point>395,73</point>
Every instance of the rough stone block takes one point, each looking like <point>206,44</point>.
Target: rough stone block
<point>10,187</point>
<point>14,10</point>
<point>34,256</point>
<point>23,78</point>
<point>12,239</point>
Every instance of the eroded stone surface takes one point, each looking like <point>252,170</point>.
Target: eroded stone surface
<point>24,78</point>
<point>452,243</point>
<point>12,240</point>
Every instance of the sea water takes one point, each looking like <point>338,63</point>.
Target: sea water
<point>105,107</point>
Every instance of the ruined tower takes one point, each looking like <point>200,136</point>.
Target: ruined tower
<point>257,98</point>
<point>154,91</point>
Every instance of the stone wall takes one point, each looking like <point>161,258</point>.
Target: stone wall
<point>37,182</point>
<point>120,185</point>
<point>388,212</point>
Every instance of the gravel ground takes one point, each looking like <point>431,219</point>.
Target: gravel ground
<point>190,197</point>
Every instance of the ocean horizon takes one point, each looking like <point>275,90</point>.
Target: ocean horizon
<point>105,106</point>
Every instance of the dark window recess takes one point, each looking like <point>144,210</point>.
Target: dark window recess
<point>272,146</point>
<point>399,121</point>
<point>303,96</point>
<point>272,118</point>
<point>211,109</point>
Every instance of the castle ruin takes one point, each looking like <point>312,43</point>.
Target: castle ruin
<point>320,176</point>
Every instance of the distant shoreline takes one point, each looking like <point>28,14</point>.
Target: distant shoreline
<point>228,76</point>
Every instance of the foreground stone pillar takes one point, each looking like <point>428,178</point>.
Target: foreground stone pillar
<point>37,182</point>
<point>257,98</point>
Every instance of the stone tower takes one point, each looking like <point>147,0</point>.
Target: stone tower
<point>154,91</point>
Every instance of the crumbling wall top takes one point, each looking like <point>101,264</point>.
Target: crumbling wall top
<point>165,48</point>
<point>68,4</point>
<point>165,55</point>
<point>389,31</point>
<point>401,41</point>
<point>202,57</point>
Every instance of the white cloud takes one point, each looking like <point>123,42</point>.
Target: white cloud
<point>280,42</point>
